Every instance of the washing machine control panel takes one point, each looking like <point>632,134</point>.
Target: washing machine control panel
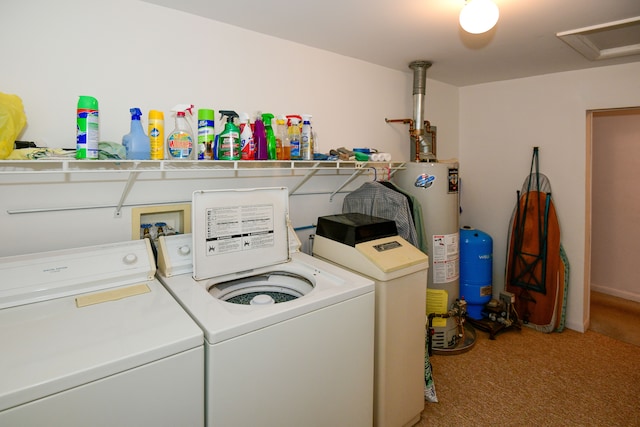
<point>48,275</point>
<point>175,255</point>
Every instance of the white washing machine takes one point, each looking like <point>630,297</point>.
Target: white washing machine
<point>289,338</point>
<point>90,338</point>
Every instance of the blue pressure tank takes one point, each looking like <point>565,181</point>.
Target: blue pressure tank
<point>476,270</point>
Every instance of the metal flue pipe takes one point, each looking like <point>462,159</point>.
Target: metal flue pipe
<point>423,148</point>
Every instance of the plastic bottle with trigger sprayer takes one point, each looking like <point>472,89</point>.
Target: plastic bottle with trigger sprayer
<point>180,142</point>
<point>246,138</point>
<point>229,145</point>
<point>136,142</point>
<point>267,118</point>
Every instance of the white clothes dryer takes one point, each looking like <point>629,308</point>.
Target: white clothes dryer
<point>289,338</point>
<point>90,338</point>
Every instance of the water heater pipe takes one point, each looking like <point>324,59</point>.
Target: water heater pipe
<point>418,126</point>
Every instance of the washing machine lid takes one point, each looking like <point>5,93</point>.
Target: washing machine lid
<point>239,230</point>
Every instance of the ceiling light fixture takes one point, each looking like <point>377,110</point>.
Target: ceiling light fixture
<point>479,16</point>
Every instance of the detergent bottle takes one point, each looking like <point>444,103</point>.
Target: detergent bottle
<point>180,143</point>
<point>229,144</point>
<point>136,142</point>
<point>294,137</point>
<point>306,138</point>
<point>260,138</point>
<point>267,118</point>
<point>283,149</point>
<point>246,138</point>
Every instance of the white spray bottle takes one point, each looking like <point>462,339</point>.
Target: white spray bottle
<point>180,142</point>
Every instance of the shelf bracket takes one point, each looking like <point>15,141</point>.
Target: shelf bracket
<point>306,178</point>
<point>132,177</point>
<point>353,176</point>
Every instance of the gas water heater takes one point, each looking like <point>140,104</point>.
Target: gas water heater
<point>435,186</point>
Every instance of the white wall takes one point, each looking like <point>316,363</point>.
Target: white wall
<point>128,53</point>
<point>501,122</point>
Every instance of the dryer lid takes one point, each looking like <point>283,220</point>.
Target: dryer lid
<point>239,230</point>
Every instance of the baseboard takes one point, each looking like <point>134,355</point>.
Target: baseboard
<point>578,327</point>
<point>632,296</point>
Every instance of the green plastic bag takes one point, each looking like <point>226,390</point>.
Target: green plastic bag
<point>12,121</point>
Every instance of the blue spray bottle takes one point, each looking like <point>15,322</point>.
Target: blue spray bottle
<point>136,142</point>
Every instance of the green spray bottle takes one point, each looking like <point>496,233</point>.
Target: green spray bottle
<point>271,136</point>
<point>229,143</point>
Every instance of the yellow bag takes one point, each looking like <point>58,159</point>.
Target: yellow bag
<point>12,121</point>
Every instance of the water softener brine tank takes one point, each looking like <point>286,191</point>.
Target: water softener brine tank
<point>476,269</point>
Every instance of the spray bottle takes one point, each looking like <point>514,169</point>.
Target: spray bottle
<point>229,145</point>
<point>294,137</point>
<point>283,149</point>
<point>180,141</point>
<point>306,138</point>
<point>136,142</point>
<point>267,118</point>
<point>246,138</point>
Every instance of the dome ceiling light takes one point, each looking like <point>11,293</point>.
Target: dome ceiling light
<point>479,16</point>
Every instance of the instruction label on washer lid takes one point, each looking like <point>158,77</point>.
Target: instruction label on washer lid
<point>239,228</point>
<point>446,257</point>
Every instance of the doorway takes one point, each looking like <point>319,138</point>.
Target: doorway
<point>613,222</point>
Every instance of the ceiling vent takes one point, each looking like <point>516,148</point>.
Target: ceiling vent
<point>605,41</point>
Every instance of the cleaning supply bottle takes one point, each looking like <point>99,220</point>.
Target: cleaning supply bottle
<point>87,128</point>
<point>294,137</point>
<point>156,134</point>
<point>306,138</point>
<point>136,142</point>
<point>206,134</point>
<point>229,145</point>
<point>246,138</point>
<point>180,141</point>
<point>260,138</point>
<point>267,118</point>
<point>283,149</point>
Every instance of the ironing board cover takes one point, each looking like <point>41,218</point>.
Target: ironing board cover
<point>537,266</point>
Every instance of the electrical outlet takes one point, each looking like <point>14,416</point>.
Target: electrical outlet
<point>507,298</point>
<point>176,216</point>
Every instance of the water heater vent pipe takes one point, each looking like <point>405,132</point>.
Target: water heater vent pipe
<point>418,126</point>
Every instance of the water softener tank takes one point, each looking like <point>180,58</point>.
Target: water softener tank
<point>476,268</point>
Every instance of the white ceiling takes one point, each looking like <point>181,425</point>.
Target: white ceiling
<point>392,33</point>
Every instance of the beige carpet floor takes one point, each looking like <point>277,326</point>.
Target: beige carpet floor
<point>528,378</point>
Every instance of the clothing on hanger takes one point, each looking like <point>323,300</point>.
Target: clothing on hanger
<point>373,198</point>
<point>416,211</point>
